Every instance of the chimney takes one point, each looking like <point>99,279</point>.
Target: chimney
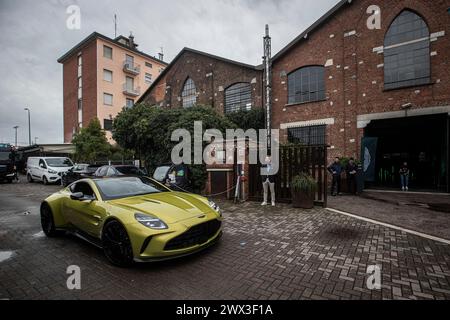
<point>161,55</point>
<point>131,41</point>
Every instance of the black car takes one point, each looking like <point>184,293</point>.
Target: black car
<point>174,176</point>
<point>79,171</point>
<point>118,170</point>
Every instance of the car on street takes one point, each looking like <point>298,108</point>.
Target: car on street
<point>118,170</point>
<point>133,219</point>
<point>79,171</point>
<point>47,169</point>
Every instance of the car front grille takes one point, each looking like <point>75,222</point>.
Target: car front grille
<point>198,234</point>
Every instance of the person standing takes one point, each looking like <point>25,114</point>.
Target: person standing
<point>351,170</point>
<point>404,176</point>
<point>268,180</point>
<point>336,170</point>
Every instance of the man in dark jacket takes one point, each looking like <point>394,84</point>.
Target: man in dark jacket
<point>351,170</point>
<point>336,169</point>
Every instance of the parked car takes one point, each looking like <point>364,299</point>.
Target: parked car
<point>133,218</point>
<point>7,162</point>
<point>174,176</point>
<point>79,171</point>
<point>47,169</point>
<point>118,170</point>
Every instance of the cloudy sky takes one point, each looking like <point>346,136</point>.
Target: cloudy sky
<point>34,35</point>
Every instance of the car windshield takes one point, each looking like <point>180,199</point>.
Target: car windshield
<point>129,170</point>
<point>59,162</point>
<point>160,173</point>
<point>4,156</point>
<point>117,188</point>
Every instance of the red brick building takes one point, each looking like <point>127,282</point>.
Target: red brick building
<point>340,81</point>
<point>195,77</point>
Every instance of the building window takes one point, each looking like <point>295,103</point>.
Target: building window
<point>79,65</point>
<point>129,60</point>
<point>238,97</point>
<point>107,124</point>
<point>306,85</point>
<point>129,103</point>
<point>148,77</point>
<point>148,64</point>
<point>309,136</point>
<point>107,52</point>
<point>107,75</point>
<point>107,99</point>
<point>189,94</point>
<point>407,52</point>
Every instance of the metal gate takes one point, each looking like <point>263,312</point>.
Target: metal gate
<point>293,160</point>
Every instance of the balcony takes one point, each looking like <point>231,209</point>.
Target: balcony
<point>131,68</point>
<point>130,91</point>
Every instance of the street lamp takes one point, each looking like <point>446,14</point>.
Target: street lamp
<point>35,140</point>
<point>16,127</point>
<point>29,126</point>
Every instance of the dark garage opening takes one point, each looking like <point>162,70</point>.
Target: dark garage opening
<point>421,141</point>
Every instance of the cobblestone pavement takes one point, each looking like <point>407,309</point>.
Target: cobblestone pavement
<point>413,211</point>
<point>265,253</point>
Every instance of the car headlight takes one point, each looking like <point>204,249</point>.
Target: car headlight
<point>150,221</point>
<point>52,171</point>
<point>213,205</point>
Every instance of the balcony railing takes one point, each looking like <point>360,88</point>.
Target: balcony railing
<point>129,90</point>
<point>131,68</point>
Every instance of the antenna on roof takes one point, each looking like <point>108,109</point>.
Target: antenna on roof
<point>161,54</point>
<point>115,26</point>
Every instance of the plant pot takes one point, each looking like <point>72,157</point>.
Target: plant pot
<point>303,200</point>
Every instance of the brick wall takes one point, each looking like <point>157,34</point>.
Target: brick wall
<point>70,87</point>
<point>355,79</point>
<point>211,77</point>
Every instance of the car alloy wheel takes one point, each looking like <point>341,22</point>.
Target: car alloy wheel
<point>47,222</point>
<point>116,244</point>
<point>45,180</point>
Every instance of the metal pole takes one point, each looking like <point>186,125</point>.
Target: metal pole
<point>29,126</point>
<point>268,84</point>
<point>16,135</point>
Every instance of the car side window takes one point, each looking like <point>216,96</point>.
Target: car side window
<point>102,171</point>
<point>111,172</point>
<point>83,187</point>
<point>42,164</point>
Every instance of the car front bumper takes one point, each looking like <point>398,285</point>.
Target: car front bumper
<point>150,245</point>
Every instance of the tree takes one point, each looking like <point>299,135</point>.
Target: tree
<point>90,143</point>
<point>147,130</point>
<point>251,119</point>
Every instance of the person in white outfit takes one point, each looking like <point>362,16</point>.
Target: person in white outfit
<point>268,180</point>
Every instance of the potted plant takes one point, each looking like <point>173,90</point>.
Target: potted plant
<point>303,188</point>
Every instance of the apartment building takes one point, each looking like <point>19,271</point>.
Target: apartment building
<point>101,76</point>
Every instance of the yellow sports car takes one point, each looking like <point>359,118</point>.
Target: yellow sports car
<point>133,218</point>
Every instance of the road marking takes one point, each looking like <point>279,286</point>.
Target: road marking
<point>408,192</point>
<point>416,233</point>
<point>5,255</point>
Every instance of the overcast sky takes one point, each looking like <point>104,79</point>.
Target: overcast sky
<point>34,36</point>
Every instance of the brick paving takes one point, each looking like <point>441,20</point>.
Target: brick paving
<point>265,253</point>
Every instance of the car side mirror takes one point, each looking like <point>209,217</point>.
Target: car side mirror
<point>77,196</point>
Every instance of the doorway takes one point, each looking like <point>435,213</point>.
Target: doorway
<point>420,141</point>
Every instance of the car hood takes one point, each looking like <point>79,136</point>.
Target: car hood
<point>171,207</point>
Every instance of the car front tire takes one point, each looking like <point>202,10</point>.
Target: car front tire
<point>29,178</point>
<point>45,180</point>
<point>117,245</point>
<point>47,221</point>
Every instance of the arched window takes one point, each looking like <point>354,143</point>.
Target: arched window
<point>189,94</point>
<point>306,85</point>
<point>238,97</point>
<point>407,52</point>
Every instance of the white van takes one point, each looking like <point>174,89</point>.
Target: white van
<point>47,169</point>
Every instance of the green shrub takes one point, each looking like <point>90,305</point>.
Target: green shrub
<point>304,183</point>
